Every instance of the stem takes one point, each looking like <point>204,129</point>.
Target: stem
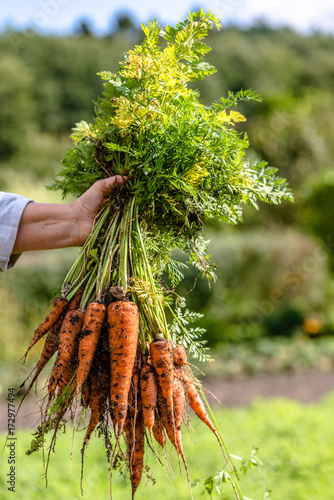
<point>108,251</point>
<point>143,268</point>
<point>123,243</point>
<point>78,270</point>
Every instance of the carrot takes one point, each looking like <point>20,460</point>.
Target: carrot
<point>58,309</point>
<point>149,392</point>
<point>98,394</point>
<point>133,399</point>
<point>197,405</point>
<point>179,355</point>
<point>94,404</point>
<point>69,332</point>
<point>161,352</point>
<point>49,349</point>
<point>194,398</point>
<point>99,388</point>
<point>123,328</point>
<point>86,392</point>
<point>172,423</point>
<point>158,432</point>
<point>178,403</point>
<point>74,303</point>
<point>89,337</point>
<point>136,453</point>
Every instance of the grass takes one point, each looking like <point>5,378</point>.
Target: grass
<point>296,445</point>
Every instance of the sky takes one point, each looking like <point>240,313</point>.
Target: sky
<point>61,16</point>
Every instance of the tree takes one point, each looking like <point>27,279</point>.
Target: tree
<point>16,104</point>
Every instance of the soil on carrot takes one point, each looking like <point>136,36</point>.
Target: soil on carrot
<point>305,387</point>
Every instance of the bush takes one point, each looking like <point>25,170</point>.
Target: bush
<point>268,282</point>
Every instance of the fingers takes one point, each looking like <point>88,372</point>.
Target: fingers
<point>106,184</point>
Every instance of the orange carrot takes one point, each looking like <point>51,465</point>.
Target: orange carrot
<point>69,332</point>
<point>172,424</point>
<point>86,392</point>
<point>136,453</point>
<point>74,303</point>
<point>95,410</point>
<point>89,337</point>
<point>162,360</point>
<point>158,432</point>
<point>194,398</point>
<point>98,382</point>
<point>178,403</point>
<point>58,309</point>
<point>149,392</point>
<point>99,388</point>
<point>179,355</point>
<point>49,349</point>
<point>123,328</point>
<point>133,399</point>
<point>197,405</point>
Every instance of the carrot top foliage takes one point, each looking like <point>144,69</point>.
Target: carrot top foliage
<point>187,159</point>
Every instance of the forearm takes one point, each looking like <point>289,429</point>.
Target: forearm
<point>45,226</point>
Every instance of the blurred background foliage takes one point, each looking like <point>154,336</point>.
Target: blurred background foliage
<point>275,272</point>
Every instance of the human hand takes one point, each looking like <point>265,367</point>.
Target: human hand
<point>46,226</point>
<point>86,207</point>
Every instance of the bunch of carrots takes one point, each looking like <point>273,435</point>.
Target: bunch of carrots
<point>118,329</point>
<point>140,391</point>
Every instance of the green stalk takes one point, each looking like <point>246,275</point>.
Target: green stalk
<point>123,243</point>
<point>78,270</point>
<point>74,290</point>
<point>89,288</point>
<point>155,311</point>
<point>108,250</point>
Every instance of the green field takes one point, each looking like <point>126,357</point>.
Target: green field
<point>296,446</point>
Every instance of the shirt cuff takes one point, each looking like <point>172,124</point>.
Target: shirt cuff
<point>11,210</point>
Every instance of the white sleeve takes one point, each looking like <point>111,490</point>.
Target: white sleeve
<point>11,210</point>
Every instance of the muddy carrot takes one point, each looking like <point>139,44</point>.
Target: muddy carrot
<point>136,454</point>
<point>68,335</point>
<point>74,303</point>
<point>179,355</point>
<point>58,309</point>
<point>162,360</point>
<point>159,433</point>
<point>89,337</point>
<point>49,349</point>
<point>123,328</point>
<point>198,406</point>
<point>173,425</point>
<point>95,392</point>
<point>148,392</point>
